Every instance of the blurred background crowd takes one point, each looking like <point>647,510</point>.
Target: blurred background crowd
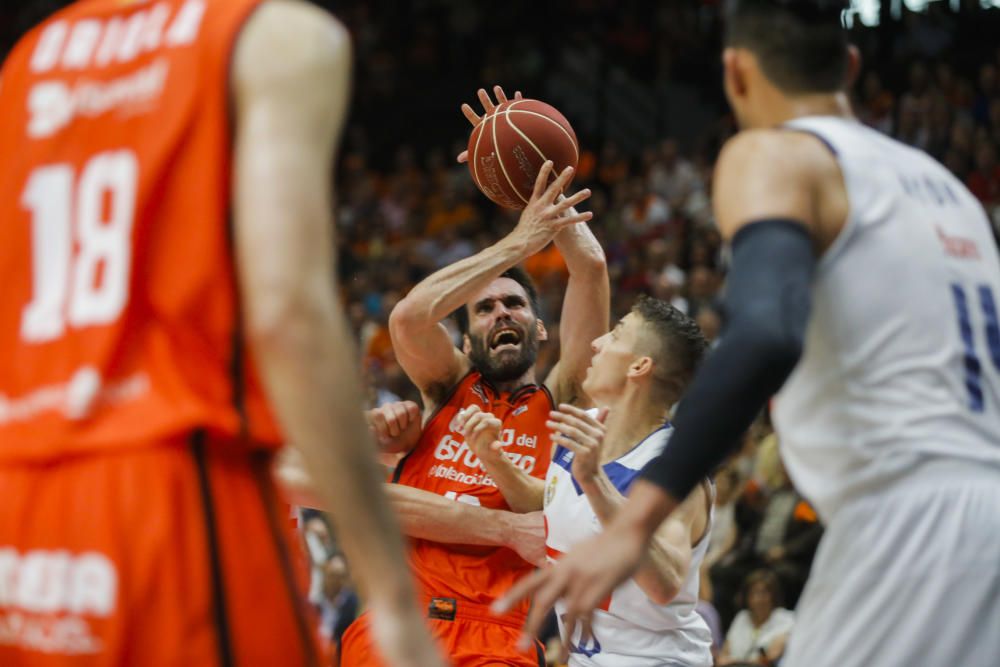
<point>640,82</point>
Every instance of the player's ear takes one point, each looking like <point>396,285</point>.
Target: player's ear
<point>640,367</point>
<point>540,328</point>
<point>734,73</point>
<point>853,66</point>
<point>466,344</point>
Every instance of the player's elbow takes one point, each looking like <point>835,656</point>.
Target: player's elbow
<point>664,588</point>
<point>284,316</point>
<point>410,314</point>
<point>592,264</point>
<point>775,348</point>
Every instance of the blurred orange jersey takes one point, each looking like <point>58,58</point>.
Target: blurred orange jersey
<point>443,463</point>
<point>120,317</point>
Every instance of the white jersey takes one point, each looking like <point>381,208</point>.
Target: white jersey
<point>629,630</point>
<point>901,366</point>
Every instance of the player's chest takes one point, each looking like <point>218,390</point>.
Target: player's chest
<point>445,463</point>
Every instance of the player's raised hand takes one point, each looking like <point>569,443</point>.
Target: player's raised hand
<point>582,434</point>
<point>481,431</point>
<point>547,213</point>
<point>488,108</point>
<point>396,426</point>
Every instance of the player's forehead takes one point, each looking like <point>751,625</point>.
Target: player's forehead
<point>499,290</point>
<point>629,325</point>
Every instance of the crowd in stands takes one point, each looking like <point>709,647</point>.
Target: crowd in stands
<point>406,208</point>
<point>411,211</point>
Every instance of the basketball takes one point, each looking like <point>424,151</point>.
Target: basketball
<point>510,145</point>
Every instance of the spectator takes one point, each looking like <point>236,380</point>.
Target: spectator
<point>984,181</point>
<point>710,321</point>
<point>703,286</point>
<point>876,104</point>
<point>337,606</point>
<point>783,538</point>
<point>673,177</point>
<point>759,631</point>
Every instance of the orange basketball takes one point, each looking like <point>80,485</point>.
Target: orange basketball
<point>509,146</point>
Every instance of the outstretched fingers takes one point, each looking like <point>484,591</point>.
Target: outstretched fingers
<point>471,115</point>
<point>542,180</point>
<point>571,201</point>
<point>543,600</point>
<point>487,103</point>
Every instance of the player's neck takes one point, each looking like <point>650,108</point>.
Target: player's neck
<point>785,108</point>
<point>630,421</point>
<point>511,386</point>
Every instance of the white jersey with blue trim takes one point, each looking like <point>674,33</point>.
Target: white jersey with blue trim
<point>901,366</point>
<point>630,630</point>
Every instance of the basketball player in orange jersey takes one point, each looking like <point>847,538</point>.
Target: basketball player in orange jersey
<point>166,254</point>
<point>496,308</point>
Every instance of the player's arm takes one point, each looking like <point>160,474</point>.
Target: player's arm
<point>289,112</point>
<point>429,516</point>
<point>422,344</point>
<point>481,430</point>
<point>585,312</point>
<point>661,573</point>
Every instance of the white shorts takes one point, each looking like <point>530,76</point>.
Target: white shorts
<point>909,577</point>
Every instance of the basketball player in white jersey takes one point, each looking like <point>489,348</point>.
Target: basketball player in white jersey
<point>864,286</point>
<point>638,371</point>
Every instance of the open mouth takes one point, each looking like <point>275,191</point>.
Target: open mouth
<point>505,339</point>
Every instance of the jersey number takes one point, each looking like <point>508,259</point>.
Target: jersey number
<point>973,367</point>
<point>464,498</point>
<point>81,243</point>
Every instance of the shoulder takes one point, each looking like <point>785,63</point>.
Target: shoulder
<point>782,617</point>
<point>779,149</point>
<point>309,39</point>
<point>740,621</point>
<point>770,173</point>
<point>439,395</point>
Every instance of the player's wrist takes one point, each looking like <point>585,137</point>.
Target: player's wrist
<point>510,528</point>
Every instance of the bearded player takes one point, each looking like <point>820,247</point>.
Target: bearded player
<point>496,308</point>
<point>863,289</point>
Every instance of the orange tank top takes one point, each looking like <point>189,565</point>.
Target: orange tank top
<point>120,317</point>
<point>442,462</point>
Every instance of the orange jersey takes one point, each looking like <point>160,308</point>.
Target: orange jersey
<point>442,462</point>
<point>120,317</point>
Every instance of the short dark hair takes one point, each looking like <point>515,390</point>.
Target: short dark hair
<point>519,276</point>
<point>681,347</point>
<point>770,581</point>
<point>801,44</point>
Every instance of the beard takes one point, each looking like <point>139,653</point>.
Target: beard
<point>507,365</point>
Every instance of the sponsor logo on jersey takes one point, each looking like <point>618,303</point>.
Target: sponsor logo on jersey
<point>452,450</point>
<point>76,399</point>
<point>52,105</point>
<point>46,595</point>
<point>453,474</point>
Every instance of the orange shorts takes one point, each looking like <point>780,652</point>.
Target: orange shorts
<point>168,554</point>
<point>473,638</point>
